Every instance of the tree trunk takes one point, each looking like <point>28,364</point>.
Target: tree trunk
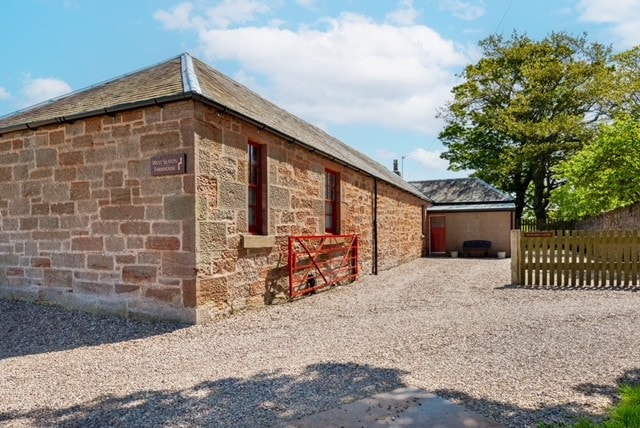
<point>539,192</point>
<point>520,205</point>
<point>518,188</point>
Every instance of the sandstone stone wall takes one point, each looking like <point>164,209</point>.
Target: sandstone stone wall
<point>233,271</point>
<point>83,224</point>
<point>401,237</point>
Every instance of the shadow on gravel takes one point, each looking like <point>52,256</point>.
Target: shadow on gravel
<point>27,329</point>
<point>268,399</point>
<point>568,413</point>
<point>630,377</point>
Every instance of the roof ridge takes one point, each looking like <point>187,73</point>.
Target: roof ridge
<point>190,82</point>
<point>441,179</point>
<point>465,191</point>
<point>494,189</point>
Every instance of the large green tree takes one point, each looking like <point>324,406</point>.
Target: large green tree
<point>604,175</point>
<point>525,106</point>
<point>624,92</point>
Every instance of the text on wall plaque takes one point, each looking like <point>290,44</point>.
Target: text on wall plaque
<point>169,164</point>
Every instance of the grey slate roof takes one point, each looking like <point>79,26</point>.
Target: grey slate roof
<point>185,77</point>
<point>504,206</point>
<point>464,194</point>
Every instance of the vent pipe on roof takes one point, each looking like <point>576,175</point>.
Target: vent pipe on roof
<point>395,167</point>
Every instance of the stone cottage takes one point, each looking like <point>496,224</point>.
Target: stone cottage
<point>171,193</point>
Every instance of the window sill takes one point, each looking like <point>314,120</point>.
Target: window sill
<point>258,241</point>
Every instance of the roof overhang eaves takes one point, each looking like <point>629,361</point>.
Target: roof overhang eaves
<point>263,126</point>
<point>472,203</point>
<point>472,208</point>
<point>159,101</point>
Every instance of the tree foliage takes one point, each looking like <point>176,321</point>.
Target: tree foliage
<point>604,175</point>
<point>624,90</point>
<point>523,108</point>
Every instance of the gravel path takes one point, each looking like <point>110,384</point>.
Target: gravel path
<point>449,326</point>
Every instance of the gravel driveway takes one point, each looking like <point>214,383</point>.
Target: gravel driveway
<point>450,326</point>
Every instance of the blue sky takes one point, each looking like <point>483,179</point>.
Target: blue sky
<point>370,72</point>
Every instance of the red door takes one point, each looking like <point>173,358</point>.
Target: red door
<point>438,229</point>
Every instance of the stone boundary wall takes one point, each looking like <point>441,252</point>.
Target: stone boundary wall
<point>84,224</point>
<point>627,218</point>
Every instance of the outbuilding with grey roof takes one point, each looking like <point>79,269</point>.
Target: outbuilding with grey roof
<point>467,209</point>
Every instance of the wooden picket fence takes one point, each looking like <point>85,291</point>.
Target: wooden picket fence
<point>575,258</point>
<point>530,225</point>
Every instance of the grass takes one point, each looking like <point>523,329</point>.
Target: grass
<point>627,412</point>
<point>624,415</point>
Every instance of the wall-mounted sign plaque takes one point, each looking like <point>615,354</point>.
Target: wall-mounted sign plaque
<point>538,234</point>
<point>169,164</point>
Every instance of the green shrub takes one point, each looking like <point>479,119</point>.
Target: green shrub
<point>624,415</point>
<point>627,413</point>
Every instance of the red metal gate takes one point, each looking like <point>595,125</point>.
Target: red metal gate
<point>321,261</point>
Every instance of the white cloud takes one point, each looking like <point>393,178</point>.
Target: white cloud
<point>622,15</point>
<point>430,160</point>
<point>427,164</point>
<point>236,11</point>
<point>306,3</point>
<point>419,164</point>
<point>386,154</point>
<point>463,9</point>
<point>4,94</point>
<point>406,14</point>
<point>344,70</point>
<point>178,18</point>
<point>42,89</point>
<point>222,15</point>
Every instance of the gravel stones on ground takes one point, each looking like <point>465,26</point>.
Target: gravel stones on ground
<point>453,327</point>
